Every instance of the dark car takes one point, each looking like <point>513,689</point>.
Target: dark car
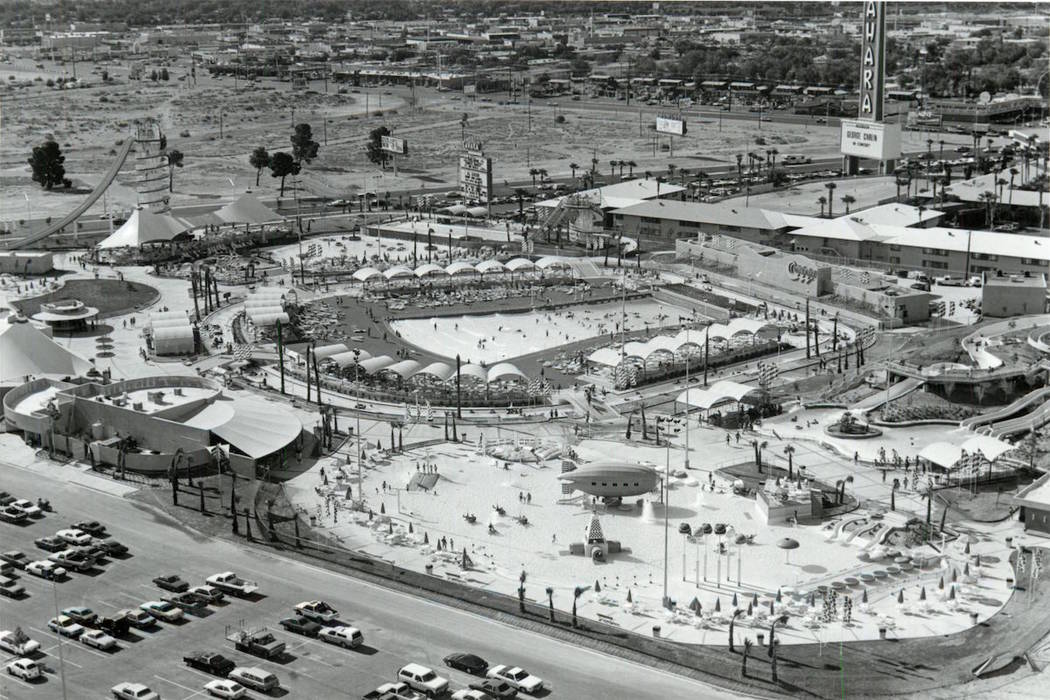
<point>112,548</point>
<point>300,625</point>
<point>15,558</point>
<point>215,664</point>
<point>471,663</point>
<point>494,687</point>
<point>117,625</point>
<point>190,602</point>
<point>50,543</point>
<point>172,583</point>
<point>92,527</point>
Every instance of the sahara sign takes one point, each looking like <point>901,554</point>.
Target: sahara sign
<point>872,61</point>
<point>392,144</point>
<point>873,140</point>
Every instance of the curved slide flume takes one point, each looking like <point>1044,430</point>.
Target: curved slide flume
<point>999,414</point>
<point>1022,424</point>
<point>103,184</point>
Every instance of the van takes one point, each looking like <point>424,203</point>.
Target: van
<point>423,679</point>
<point>796,159</point>
<point>254,678</point>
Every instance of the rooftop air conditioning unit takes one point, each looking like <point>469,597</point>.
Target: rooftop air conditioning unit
<point>137,405</point>
<point>178,391</point>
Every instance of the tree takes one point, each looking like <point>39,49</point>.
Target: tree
<point>282,165</point>
<point>520,194</point>
<point>259,159</point>
<point>46,162</point>
<point>573,167</point>
<point>631,165</point>
<point>831,195</point>
<point>822,200</point>
<point>576,593</point>
<point>732,623</point>
<point>304,148</point>
<point>164,75</point>
<point>848,199</point>
<point>747,652</point>
<point>463,126</point>
<point>789,450</point>
<point>550,601</point>
<point>174,161</point>
<point>533,172</point>
<point>376,154</point>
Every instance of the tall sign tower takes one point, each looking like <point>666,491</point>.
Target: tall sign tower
<point>151,167</point>
<point>869,136</point>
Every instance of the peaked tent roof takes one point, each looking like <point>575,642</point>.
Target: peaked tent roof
<point>144,226</point>
<point>24,350</point>
<point>247,210</point>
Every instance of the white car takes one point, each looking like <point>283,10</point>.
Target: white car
<point>213,594</point>
<point>133,691</point>
<point>317,610</point>
<point>26,669</point>
<point>519,678</point>
<point>138,618</point>
<point>423,679</point>
<point>98,639</point>
<point>74,536</point>
<point>162,610</point>
<point>28,507</point>
<point>45,569</point>
<point>225,689</point>
<point>470,694</point>
<point>65,626</point>
<point>347,637</point>
<point>18,645</point>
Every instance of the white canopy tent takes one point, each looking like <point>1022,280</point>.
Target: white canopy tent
<point>26,351</point>
<point>144,227</point>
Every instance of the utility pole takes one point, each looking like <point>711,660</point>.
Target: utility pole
<point>280,353</point>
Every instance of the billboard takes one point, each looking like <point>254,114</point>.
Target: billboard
<point>470,89</point>
<point>872,61</point>
<point>392,144</point>
<point>475,177</point>
<point>671,125</point>
<point>874,140</point>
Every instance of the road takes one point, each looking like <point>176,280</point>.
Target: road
<point>398,628</point>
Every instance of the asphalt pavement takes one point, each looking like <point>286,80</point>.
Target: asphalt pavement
<point>398,628</point>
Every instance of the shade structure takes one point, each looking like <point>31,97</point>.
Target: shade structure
<point>365,274</point>
<point>943,454</point>
<point>174,339</point>
<point>477,212</point>
<point>461,268</point>
<point>324,351</point>
<point>476,371</point>
<point>439,370</point>
<point>787,544</point>
<point>348,358</point>
<point>374,364</point>
<point>504,370</point>
<point>456,209</point>
<point>552,261</point>
<point>427,269</point>
<point>269,318</point>
<point>256,428</point>
<point>144,227</point>
<point>25,351</point>
<point>520,264</point>
<point>247,210</point>
<point>991,448</point>
<point>397,271</point>
<point>489,266</point>
<point>403,369</point>
<point>725,391</point>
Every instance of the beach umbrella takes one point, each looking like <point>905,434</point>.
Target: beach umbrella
<point>922,593</point>
<point>771,612</point>
<point>780,597</point>
<point>750,609</point>
<point>863,597</point>
<point>597,587</point>
<point>955,575</point>
<point>754,598</point>
<point>734,600</point>
<point>426,538</point>
<point>900,597</point>
<point>410,529</point>
<point>390,528</point>
<point>967,550</point>
<point>951,593</point>
<point>706,529</point>
<point>966,569</point>
<point>977,560</point>
<point>629,598</point>
<point>695,606</point>
<point>741,539</point>
<point>382,509</point>
<point>787,544</point>
<point>940,584</point>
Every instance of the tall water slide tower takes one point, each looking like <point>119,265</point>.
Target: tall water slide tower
<point>151,167</point>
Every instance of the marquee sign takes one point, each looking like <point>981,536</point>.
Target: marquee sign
<point>872,61</point>
<point>671,125</point>
<point>392,144</point>
<point>475,177</point>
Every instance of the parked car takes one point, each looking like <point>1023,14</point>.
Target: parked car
<point>50,543</point>
<point>495,688</point>
<point>209,662</point>
<point>11,588</point>
<point>518,677</point>
<point>232,583</point>
<point>65,626</point>
<point>317,610</point>
<point>471,663</point>
<point>18,643</point>
<point>112,547</point>
<point>28,507</point>
<point>260,642</point>
<point>75,559</point>
<point>26,669</point>
<point>255,678</point>
<point>74,536</point>
<point>225,689</point>
<point>85,616</point>
<point>15,558</point>
<point>45,569</point>
<point>470,694</point>
<point>133,691</point>
<point>423,679</point>
<point>116,625</point>
<point>347,637</point>
<point>209,593</point>
<point>12,514</point>
<point>188,602</point>
<point>172,583</point>
<point>300,625</point>
<point>92,527</point>
<point>162,610</point>
<point>393,691</point>
<point>138,618</point>
<point>99,640</point>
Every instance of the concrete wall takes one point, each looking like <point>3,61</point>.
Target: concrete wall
<point>794,273</point>
<point>893,302</point>
<point>22,262</point>
<point>670,229</point>
<point>1001,298</point>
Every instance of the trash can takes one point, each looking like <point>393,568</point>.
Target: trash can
<point>761,639</point>
<point>656,631</point>
<point>429,568</point>
<point>313,520</point>
<point>882,633</point>
<point>1009,583</point>
<point>973,618</point>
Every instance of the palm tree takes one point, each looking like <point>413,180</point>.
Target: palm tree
<point>543,175</point>
<point>789,450</point>
<point>739,166</point>
<point>533,172</point>
<point>576,593</point>
<point>648,174</point>
<point>773,658</point>
<point>823,200</point>
<point>732,623</point>
<point>1013,174</point>
<point>550,601</point>
<point>612,168</point>
<point>594,165</point>
<point>988,197</point>
<point>631,165</point>
<point>671,167</point>
<point>621,164</point>
<point>521,592</point>
<point>848,200</point>
<point>831,195</point>
<point>573,167</point>
<point>463,126</point>
<point>747,652</point>
<point>520,194</point>
<point>893,494</point>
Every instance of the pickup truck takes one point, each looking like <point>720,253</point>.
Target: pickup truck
<point>73,559</point>
<point>393,691</point>
<point>260,642</point>
<point>233,584</point>
<point>209,662</point>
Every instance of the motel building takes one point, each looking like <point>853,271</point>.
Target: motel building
<point>1034,502</point>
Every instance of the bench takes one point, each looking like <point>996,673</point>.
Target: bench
<point>606,619</point>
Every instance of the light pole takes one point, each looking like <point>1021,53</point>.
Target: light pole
<point>667,526</point>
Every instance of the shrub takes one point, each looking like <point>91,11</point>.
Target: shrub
<point>560,119</point>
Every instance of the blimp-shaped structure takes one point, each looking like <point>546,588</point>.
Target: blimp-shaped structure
<point>610,479</point>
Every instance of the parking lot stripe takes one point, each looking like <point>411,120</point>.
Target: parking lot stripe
<point>180,685</point>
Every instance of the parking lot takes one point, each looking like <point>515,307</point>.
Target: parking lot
<point>398,629</point>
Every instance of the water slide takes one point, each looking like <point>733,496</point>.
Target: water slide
<point>1001,414</point>
<point>105,182</point>
<point>880,397</point>
<point>1023,424</point>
